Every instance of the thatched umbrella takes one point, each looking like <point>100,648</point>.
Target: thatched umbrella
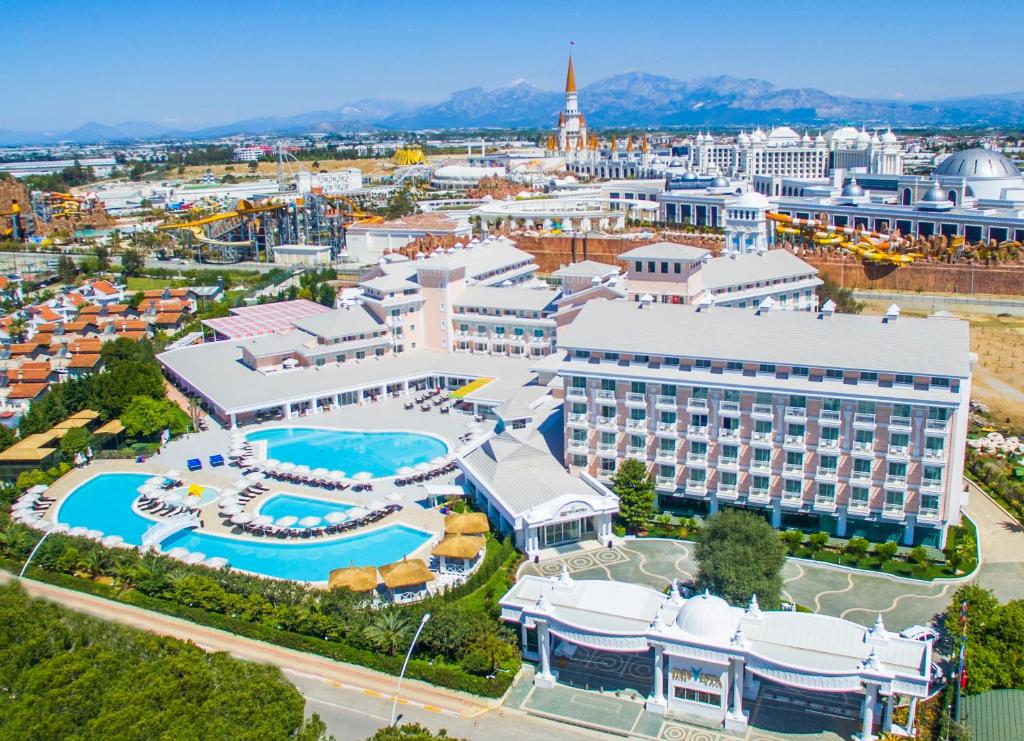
<point>356,578</point>
<point>469,523</point>
<point>409,572</point>
<point>459,546</point>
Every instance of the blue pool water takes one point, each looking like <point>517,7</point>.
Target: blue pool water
<point>104,503</point>
<point>282,505</point>
<point>380,453</point>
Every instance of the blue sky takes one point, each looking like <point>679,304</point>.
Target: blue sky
<point>192,63</point>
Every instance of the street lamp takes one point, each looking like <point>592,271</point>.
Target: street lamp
<point>394,705</point>
<point>28,560</point>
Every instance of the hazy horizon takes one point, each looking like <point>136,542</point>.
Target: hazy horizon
<point>194,64</point>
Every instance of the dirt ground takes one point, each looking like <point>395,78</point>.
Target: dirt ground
<point>372,168</point>
<point>999,344</point>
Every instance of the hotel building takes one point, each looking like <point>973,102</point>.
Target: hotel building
<point>849,424</point>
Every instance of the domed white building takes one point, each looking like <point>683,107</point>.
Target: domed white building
<point>710,658</point>
<point>986,174</point>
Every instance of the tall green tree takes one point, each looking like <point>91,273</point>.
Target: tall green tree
<point>75,441</point>
<point>145,417</point>
<point>995,645</point>
<point>132,262</point>
<point>102,255</point>
<point>67,270</point>
<point>411,732</point>
<point>740,554</point>
<point>843,297</point>
<point>635,490</point>
<point>388,631</point>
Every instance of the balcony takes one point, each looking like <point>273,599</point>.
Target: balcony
<point>899,424</point>
<point>575,392</point>
<point>577,419</point>
<point>697,432</point>
<point>860,477</point>
<point>759,496</point>
<point>665,483</point>
<point>864,421</point>
<point>696,488</point>
<point>606,423</point>
<point>665,456</point>
<point>824,504</point>
<point>667,403</point>
<point>607,449</point>
<point>637,425</point>
<point>667,428</point>
<point>898,452</point>
<point>893,512</point>
<point>929,514</point>
<point>862,448</point>
<point>727,433</point>
<point>578,446</point>
<point>761,466</point>
<point>729,408</point>
<point>697,459</point>
<point>760,438</point>
<point>796,414</point>
<point>792,501</point>
<point>696,405</point>
<point>936,427</point>
<point>761,411</point>
<point>826,474</point>
<point>727,491</point>
<point>605,395</point>
<point>859,507</point>
<point>729,464</point>
<point>829,418</point>
<point>828,443</point>
<point>934,455</point>
<point>639,454</point>
<point>931,486</point>
<point>793,470</point>
<point>794,442</point>
<point>635,400</point>
<point>898,483</point>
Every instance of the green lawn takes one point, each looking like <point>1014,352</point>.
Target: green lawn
<point>140,283</point>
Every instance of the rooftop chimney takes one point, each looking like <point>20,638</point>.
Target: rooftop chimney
<point>828,309</point>
<point>891,314</point>
<point>765,306</point>
<point>646,300</point>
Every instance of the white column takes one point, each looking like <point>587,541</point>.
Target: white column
<point>890,701</point>
<point>911,716</point>
<point>735,718</point>
<point>234,422</point>
<point>288,413</point>
<point>737,688</point>
<point>656,701</point>
<point>546,678</point>
<point>867,712</point>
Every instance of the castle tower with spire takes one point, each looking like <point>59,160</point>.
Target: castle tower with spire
<point>572,127</point>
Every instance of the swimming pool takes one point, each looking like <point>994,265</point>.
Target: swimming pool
<point>283,505</point>
<point>380,453</point>
<point>104,503</point>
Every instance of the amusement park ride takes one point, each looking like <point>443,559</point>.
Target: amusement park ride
<point>252,229</point>
<point>870,246</point>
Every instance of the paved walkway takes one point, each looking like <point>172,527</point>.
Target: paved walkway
<point>855,595</point>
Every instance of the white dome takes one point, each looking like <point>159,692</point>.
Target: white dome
<point>758,135</point>
<point>783,134</point>
<point>743,138</point>
<point>844,134</point>
<point>888,137</point>
<point>708,616</point>
<point>819,139</point>
<point>805,139</point>
<point>863,137</point>
<point>751,199</point>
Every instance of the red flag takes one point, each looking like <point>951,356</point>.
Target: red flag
<point>963,678</point>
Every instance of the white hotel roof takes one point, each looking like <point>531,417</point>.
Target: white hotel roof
<point>753,267</point>
<point>216,370</point>
<point>933,347</point>
<point>586,269</point>
<point>511,298</point>
<point>665,251</point>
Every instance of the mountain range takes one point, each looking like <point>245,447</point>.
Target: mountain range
<point>630,99</point>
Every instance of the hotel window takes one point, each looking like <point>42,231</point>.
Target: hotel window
<point>903,379</point>
<point>759,482</point>
<point>763,398</point>
<point>899,470</point>
<point>867,437</point>
<point>481,329</point>
<point>940,383</point>
<point>800,370</point>
<point>733,365</point>
<point>899,440</point>
<point>668,418</point>
<point>800,402</point>
<point>607,384</point>
<point>827,493</point>
<point>579,436</point>
<point>828,462</point>
<point>934,444</point>
<point>699,392</point>
<point>763,426</point>
<point>639,266</point>
<point>650,267</point>
<point>664,267</point>
<point>698,448</point>
<point>608,439</point>
<point>612,356</point>
<point>829,433</point>
<point>606,411</point>
<point>729,451</point>
<point>463,327</point>
<point>641,359</point>
<point>731,395</point>
<point>728,479</point>
<point>499,330</point>
<point>637,441</point>
<point>667,444</point>
<point>901,410</point>
<point>702,363</point>
<point>794,458</point>
<point>638,387</point>
<point>865,407</point>
<point>860,495</point>
<point>677,267</point>
<point>893,499</point>
<point>579,408</point>
<point>638,414</point>
<point>931,475</point>
<point>862,466</point>
<point>698,475</point>
<point>795,429</point>
<point>831,405</point>
<point>667,389</point>
<point>580,461</point>
<point>607,466</point>
<point>869,377</point>
<point>834,373</point>
<point>766,368</point>
<point>938,413</point>
<point>793,488</point>
<point>538,333</point>
<point>579,382</point>
<point>671,361</point>
<point>667,472</point>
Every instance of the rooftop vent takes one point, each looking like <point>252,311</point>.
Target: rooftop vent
<point>891,314</point>
<point>646,300</point>
<point>765,306</point>
<point>420,256</point>
<point>595,280</point>
<point>828,309</point>
<point>705,302</point>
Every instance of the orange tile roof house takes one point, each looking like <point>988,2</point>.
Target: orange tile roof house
<point>27,392</point>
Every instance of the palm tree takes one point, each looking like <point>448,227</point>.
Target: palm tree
<point>94,563</point>
<point>16,540</point>
<point>388,631</point>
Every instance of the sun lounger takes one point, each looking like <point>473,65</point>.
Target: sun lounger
<point>216,460</point>
<point>194,464</point>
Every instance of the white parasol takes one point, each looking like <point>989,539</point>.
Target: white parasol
<point>357,512</point>
<point>178,552</point>
<point>335,517</point>
<point>242,518</point>
<point>194,557</point>
<point>263,521</point>
<point>233,510</point>
<point>216,562</point>
<point>78,531</point>
<point>439,460</point>
<point>338,476</point>
<point>112,540</point>
<point>286,521</point>
<point>405,470</point>
<point>363,476</point>
<point>286,467</point>
<point>310,521</point>
<point>422,466</point>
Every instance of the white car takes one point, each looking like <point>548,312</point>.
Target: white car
<point>920,633</point>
